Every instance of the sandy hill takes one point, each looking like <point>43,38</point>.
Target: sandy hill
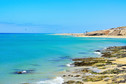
<point>119,31</point>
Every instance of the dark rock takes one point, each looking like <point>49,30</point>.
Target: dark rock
<point>106,54</point>
<point>79,82</point>
<point>88,61</point>
<point>77,76</point>
<point>69,75</point>
<point>114,71</point>
<point>123,47</point>
<point>97,51</point>
<point>60,59</point>
<point>24,72</point>
<point>69,82</point>
<point>120,65</point>
<point>64,75</point>
<point>95,34</point>
<point>65,57</point>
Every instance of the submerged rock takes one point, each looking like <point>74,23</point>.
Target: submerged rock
<point>65,57</point>
<point>69,82</point>
<point>62,58</point>
<point>73,82</point>
<point>97,51</point>
<point>82,53</point>
<point>79,82</point>
<point>89,61</point>
<point>35,64</point>
<point>24,72</point>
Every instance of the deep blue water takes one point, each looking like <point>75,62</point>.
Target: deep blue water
<point>46,54</point>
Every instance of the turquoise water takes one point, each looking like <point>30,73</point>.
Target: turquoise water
<point>46,54</point>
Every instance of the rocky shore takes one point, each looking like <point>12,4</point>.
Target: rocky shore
<point>110,68</point>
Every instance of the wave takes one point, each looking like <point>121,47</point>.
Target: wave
<point>95,69</point>
<point>57,80</point>
<point>70,65</point>
<point>98,53</point>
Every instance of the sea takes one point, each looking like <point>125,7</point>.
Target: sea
<point>45,55</point>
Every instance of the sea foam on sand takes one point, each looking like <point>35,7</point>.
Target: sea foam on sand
<point>70,65</point>
<point>98,53</point>
<point>57,80</point>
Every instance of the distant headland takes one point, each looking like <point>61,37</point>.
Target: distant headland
<point>119,32</point>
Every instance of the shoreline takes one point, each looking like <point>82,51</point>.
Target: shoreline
<point>82,35</point>
<point>107,69</point>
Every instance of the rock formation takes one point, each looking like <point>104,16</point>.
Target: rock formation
<point>119,31</point>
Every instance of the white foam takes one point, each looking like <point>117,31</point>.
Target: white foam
<point>95,69</point>
<point>57,80</point>
<point>23,71</point>
<point>98,53</point>
<point>88,74</point>
<point>69,65</point>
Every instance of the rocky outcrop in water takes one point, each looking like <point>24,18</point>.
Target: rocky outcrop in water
<point>23,72</point>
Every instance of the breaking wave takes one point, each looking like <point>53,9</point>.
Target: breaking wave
<point>57,80</point>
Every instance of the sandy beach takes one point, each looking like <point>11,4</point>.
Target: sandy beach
<point>82,35</point>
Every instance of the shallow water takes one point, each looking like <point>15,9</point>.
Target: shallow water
<point>46,54</point>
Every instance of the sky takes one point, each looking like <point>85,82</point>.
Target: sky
<point>60,16</point>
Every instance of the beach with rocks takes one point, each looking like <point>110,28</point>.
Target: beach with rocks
<point>110,68</point>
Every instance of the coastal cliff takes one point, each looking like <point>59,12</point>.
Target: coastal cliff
<point>119,31</point>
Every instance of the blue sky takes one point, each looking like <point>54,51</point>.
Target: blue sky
<point>60,16</point>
